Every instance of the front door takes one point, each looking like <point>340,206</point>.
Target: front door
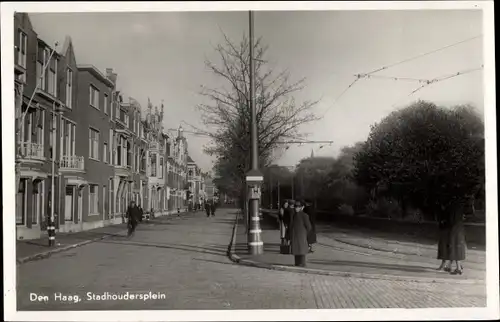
<point>69,204</point>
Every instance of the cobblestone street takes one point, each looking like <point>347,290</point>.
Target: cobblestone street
<point>185,259</point>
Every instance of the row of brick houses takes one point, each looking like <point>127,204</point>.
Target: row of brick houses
<point>103,149</point>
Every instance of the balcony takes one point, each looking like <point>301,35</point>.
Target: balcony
<point>153,146</point>
<point>32,151</point>
<point>122,170</point>
<point>72,163</point>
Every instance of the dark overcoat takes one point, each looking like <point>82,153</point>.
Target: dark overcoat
<point>299,228</point>
<point>311,237</point>
<point>456,242</point>
<point>133,214</point>
<point>444,236</point>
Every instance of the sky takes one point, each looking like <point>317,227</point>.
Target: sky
<point>161,56</point>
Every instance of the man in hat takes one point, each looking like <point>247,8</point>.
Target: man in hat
<point>300,226</point>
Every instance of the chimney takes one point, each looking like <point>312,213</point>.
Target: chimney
<point>111,76</point>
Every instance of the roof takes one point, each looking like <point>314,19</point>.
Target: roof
<point>190,160</point>
<point>97,73</point>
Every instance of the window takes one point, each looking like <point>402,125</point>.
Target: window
<point>105,153</point>
<point>129,155</point>
<point>39,77</point>
<point>105,103</point>
<point>94,144</point>
<point>21,49</point>
<point>94,97</point>
<point>153,166</point>
<point>104,202</point>
<point>161,168</point>
<point>126,119</point>
<point>69,88</point>
<point>52,77</point>
<point>110,200</point>
<point>93,199</point>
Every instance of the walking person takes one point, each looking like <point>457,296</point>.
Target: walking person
<point>141,213</point>
<point>311,236</point>
<point>133,218</point>
<point>456,240</point>
<point>299,229</point>
<point>207,208</point>
<point>213,207</point>
<point>444,236</point>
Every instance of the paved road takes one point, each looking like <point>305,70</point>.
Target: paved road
<point>185,260</point>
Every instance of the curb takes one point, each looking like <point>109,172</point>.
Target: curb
<point>313,271</point>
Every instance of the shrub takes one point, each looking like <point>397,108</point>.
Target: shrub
<point>346,210</point>
<point>384,208</point>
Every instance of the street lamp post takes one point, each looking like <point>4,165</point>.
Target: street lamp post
<point>254,177</point>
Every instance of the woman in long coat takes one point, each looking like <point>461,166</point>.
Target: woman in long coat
<point>311,237</point>
<point>444,236</point>
<point>456,242</point>
<point>299,229</point>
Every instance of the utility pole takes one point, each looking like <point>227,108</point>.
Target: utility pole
<point>254,177</point>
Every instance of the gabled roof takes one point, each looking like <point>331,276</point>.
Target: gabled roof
<point>189,159</point>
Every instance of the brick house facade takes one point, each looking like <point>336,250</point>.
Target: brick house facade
<point>101,145</point>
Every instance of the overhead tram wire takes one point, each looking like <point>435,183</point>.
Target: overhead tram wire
<point>366,75</point>
<point>422,55</point>
<point>440,79</point>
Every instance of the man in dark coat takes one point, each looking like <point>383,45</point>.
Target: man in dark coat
<point>287,217</point>
<point>311,237</point>
<point>141,213</point>
<point>207,208</point>
<point>133,214</point>
<point>299,229</point>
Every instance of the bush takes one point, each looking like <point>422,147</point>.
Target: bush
<point>346,210</point>
<point>384,208</point>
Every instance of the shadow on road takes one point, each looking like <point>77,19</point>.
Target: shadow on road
<point>404,268</point>
<point>219,250</point>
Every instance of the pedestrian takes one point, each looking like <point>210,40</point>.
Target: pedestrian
<point>152,213</point>
<point>207,208</point>
<point>213,207</point>
<point>132,218</point>
<point>141,212</point>
<point>287,217</point>
<point>281,221</point>
<point>299,229</point>
<point>444,236</point>
<point>311,237</point>
<point>456,240</point>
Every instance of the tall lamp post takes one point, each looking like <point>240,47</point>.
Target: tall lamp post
<point>254,177</point>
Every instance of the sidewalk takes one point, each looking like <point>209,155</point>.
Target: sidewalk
<point>27,250</point>
<point>342,258</point>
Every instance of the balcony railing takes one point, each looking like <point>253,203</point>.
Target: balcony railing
<point>72,162</point>
<point>32,151</point>
<point>153,145</point>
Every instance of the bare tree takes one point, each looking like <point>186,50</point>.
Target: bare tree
<point>279,116</point>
